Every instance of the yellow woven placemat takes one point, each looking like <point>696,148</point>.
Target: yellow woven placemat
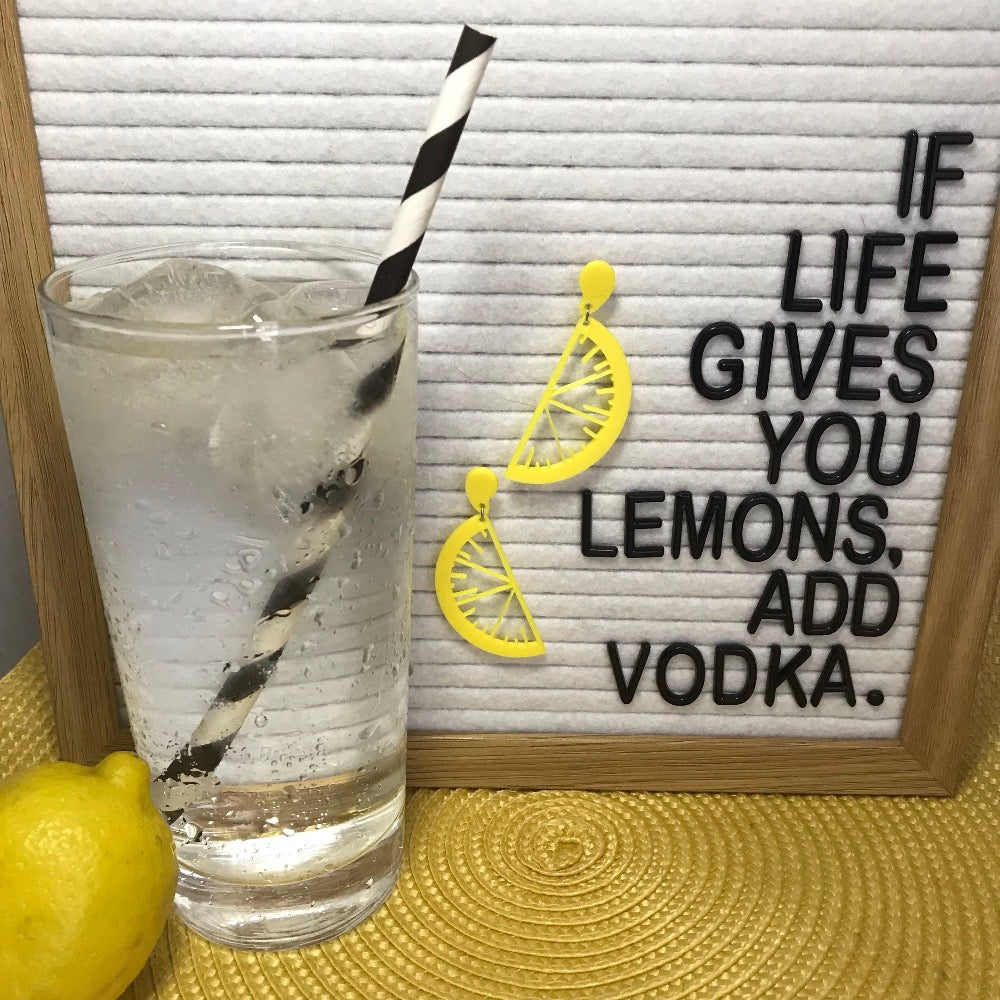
<point>574,895</point>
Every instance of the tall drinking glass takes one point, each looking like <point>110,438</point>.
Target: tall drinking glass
<point>242,429</point>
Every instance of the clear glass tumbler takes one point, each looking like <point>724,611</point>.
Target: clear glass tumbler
<point>242,430</point>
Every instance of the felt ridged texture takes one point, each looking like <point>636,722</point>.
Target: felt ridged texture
<point>679,142</point>
<point>560,895</point>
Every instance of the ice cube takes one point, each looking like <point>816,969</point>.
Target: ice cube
<point>300,425</point>
<point>183,292</point>
<point>315,300</point>
<point>293,426</point>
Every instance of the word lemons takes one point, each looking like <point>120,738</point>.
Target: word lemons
<point>87,879</point>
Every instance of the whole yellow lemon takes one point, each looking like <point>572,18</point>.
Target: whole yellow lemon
<point>87,877</point>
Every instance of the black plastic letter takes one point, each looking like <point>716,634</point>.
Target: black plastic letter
<point>587,547</point>
<point>788,300</point>
<point>734,366</point>
<point>694,654</point>
<point>919,270</point>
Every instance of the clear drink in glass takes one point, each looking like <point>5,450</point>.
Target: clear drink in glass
<point>242,431</point>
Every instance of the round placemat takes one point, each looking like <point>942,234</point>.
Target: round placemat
<point>576,895</point>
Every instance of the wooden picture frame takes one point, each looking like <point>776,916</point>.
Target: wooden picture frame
<point>924,760</point>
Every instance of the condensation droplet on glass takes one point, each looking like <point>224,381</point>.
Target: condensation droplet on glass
<point>260,721</point>
<point>286,504</point>
<point>159,426</point>
<point>356,560</point>
<point>220,597</point>
<point>191,832</point>
<point>368,656</point>
<point>162,550</point>
<point>378,500</point>
<point>248,558</point>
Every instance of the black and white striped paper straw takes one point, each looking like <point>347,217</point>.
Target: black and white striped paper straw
<point>443,132</point>
<point>196,762</point>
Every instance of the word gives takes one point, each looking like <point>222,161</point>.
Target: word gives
<point>906,348</point>
<point>752,541</point>
<point>834,677</point>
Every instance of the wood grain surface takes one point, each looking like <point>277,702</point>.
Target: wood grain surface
<point>664,764</point>
<point>966,561</point>
<point>70,613</point>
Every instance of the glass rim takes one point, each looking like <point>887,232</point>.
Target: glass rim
<point>272,329</point>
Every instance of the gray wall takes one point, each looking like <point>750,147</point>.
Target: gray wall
<point>18,621</point>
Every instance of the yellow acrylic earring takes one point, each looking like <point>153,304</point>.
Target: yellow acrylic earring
<point>584,406</point>
<point>475,585</point>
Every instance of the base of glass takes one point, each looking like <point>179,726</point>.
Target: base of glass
<point>291,914</point>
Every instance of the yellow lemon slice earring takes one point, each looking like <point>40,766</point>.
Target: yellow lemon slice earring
<point>584,406</point>
<point>475,585</point>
